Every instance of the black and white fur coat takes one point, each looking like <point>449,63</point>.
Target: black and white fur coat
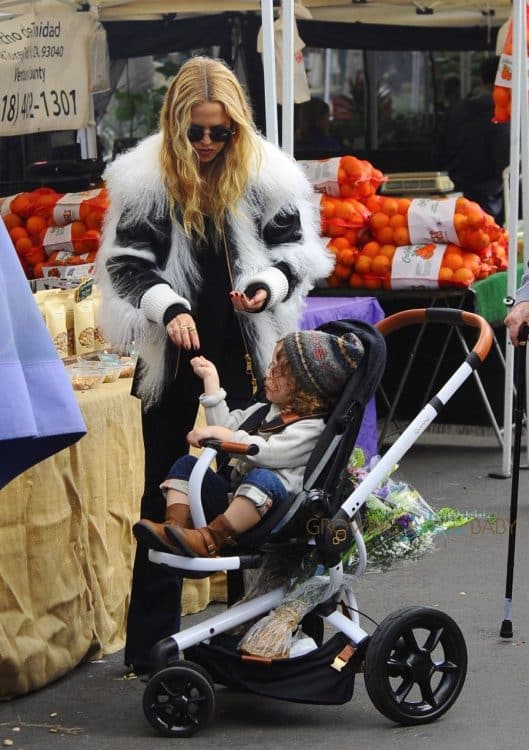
<point>146,263</point>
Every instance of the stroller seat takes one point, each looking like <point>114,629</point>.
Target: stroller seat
<point>325,474</point>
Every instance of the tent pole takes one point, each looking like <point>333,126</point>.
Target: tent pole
<point>524,130</point>
<point>267,15</point>
<point>287,26</point>
<point>86,137</point>
<point>372,99</point>
<point>512,224</point>
<point>327,77</point>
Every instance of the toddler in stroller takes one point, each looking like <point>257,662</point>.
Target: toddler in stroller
<point>414,663</point>
<point>308,372</point>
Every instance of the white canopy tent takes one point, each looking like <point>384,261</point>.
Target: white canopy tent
<point>487,14</point>
<point>392,12</point>
<point>411,13</point>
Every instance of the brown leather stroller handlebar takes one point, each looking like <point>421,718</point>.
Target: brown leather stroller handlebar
<point>243,449</point>
<point>446,315</point>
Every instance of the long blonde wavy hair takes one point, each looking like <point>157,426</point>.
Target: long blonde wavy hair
<point>219,187</point>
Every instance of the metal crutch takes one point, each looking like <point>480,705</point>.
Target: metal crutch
<point>519,383</point>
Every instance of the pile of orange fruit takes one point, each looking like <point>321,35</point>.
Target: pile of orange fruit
<point>49,228</point>
<point>346,252</point>
<point>364,253</point>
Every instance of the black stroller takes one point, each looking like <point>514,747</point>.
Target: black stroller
<point>398,663</point>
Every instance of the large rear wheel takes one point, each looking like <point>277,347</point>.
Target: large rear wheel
<point>415,665</point>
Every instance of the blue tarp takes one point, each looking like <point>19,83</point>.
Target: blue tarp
<point>39,414</point>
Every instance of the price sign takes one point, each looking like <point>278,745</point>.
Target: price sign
<point>44,72</point>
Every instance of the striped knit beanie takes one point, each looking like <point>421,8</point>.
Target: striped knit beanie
<point>322,363</point>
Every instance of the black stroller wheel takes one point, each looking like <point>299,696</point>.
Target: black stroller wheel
<point>179,700</point>
<point>415,665</point>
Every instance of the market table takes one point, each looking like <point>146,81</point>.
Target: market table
<point>434,354</point>
<point>66,546</point>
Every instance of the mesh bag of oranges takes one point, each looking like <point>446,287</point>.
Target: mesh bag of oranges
<point>501,93</point>
<point>88,206</point>
<point>420,266</point>
<point>405,221</point>
<point>344,176</point>
<point>497,253</point>
<point>25,228</point>
<point>340,215</point>
<point>346,252</point>
<point>73,238</point>
<point>24,205</point>
<point>37,203</point>
<point>63,258</point>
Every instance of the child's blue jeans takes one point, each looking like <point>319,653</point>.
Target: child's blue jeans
<point>261,486</point>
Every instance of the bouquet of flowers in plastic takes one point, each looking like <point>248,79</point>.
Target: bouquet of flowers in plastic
<point>398,524</point>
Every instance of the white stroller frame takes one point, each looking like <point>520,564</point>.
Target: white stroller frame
<point>350,626</point>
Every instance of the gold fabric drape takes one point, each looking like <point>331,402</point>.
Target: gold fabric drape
<point>66,547</point>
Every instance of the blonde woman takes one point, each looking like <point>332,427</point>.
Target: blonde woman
<point>210,246</point>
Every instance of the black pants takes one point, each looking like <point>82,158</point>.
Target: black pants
<point>154,610</point>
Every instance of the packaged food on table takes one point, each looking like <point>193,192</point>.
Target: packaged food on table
<point>86,376</point>
<point>112,362</point>
<point>128,366</point>
<point>84,326</point>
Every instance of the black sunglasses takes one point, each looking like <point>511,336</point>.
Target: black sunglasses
<point>218,133</point>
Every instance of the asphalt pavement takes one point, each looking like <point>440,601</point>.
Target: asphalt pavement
<point>97,706</point>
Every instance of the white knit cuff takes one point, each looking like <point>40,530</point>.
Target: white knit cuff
<point>522,293</point>
<point>157,299</point>
<point>273,279</point>
<point>212,399</point>
<point>240,436</point>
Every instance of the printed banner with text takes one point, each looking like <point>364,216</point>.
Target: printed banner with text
<point>44,72</point>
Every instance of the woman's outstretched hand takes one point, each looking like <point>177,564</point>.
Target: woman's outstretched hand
<point>242,303</point>
<point>183,332</point>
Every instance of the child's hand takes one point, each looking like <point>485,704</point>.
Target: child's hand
<point>207,371</point>
<point>211,431</point>
<point>202,366</point>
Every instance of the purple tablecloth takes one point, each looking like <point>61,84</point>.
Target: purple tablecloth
<point>320,310</point>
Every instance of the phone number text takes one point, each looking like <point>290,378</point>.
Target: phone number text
<point>50,103</point>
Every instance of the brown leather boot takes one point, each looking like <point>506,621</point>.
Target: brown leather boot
<point>153,534</point>
<point>204,542</point>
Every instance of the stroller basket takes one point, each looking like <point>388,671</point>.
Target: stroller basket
<point>179,698</point>
<point>320,677</point>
